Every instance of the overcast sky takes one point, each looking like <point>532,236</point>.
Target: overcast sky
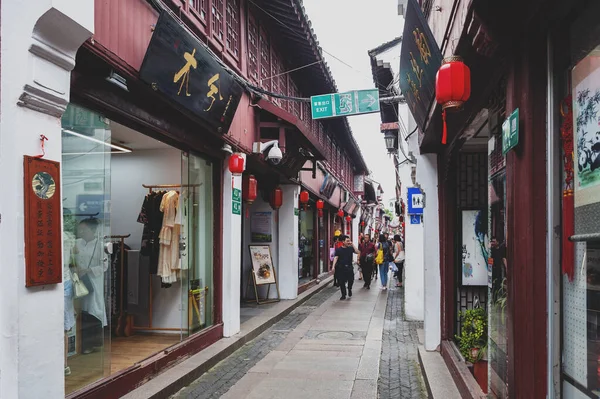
<point>348,29</point>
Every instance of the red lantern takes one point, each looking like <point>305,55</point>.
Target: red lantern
<point>276,198</point>
<point>320,205</point>
<point>249,189</point>
<point>362,224</point>
<point>340,213</point>
<point>452,87</point>
<point>236,164</point>
<point>348,218</point>
<point>304,197</point>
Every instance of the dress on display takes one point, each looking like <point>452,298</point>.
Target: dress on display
<point>168,263</point>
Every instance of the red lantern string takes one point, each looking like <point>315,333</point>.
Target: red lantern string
<point>42,139</point>
<point>568,205</point>
<point>445,129</point>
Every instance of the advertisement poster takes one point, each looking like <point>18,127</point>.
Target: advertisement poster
<point>474,248</point>
<point>260,227</point>
<point>586,130</point>
<point>262,264</point>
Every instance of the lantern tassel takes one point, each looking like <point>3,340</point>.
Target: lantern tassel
<point>444,129</point>
<point>568,247</point>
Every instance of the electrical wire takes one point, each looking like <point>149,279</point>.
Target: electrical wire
<point>293,70</point>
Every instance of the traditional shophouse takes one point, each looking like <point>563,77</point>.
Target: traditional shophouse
<point>518,183</point>
<point>179,139</point>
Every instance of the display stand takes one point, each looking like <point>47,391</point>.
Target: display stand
<point>263,273</point>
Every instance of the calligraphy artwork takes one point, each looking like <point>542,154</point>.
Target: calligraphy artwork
<point>475,246</point>
<point>180,67</point>
<point>420,60</point>
<point>42,203</point>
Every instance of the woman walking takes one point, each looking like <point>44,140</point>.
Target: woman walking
<point>366,259</point>
<point>398,259</point>
<point>384,254</point>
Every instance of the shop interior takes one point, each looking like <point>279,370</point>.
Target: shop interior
<point>137,235</point>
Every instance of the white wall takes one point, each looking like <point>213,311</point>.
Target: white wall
<point>31,319</point>
<point>288,243</point>
<point>128,173</point>
<point>428,179</point>
<point>232,257</point>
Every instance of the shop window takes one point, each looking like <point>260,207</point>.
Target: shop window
<point>217,19</point>
<point>138,234</point>
<point>581,208</point>
<point>307,237</point>
<point>252,47</point>
<point>265,60</point>
<point>233,27</point>
<point>199,6</point>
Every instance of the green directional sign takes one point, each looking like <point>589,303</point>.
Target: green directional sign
<point>510,132</point>
<point>236,201</point>
<point>345,104</point>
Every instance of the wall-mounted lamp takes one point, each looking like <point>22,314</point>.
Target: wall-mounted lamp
<point>390,141</point>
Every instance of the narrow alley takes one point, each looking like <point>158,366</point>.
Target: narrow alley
<point>325,348</point>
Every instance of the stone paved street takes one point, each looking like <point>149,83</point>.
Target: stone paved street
<point>326,348</point>
<point>399,371</point>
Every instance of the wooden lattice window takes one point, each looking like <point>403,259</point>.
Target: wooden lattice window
<point>283,86</point>
<point>321,132</point>
<point>233,26</point>
<point>252,47</point>
<point>217,19</point>
<point>306,114</point>
<point>265,60</point>
<point>200,7</point>
<point>275,70</point>
<point>328,149</point>
<point>295,104</point>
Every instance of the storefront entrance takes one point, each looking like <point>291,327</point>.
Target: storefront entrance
<point>138,234</point>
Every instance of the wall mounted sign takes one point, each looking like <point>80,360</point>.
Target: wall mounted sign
<point>415,201</point>
<point>420,59</point>
<point>43,235</point>
<point>180,67</point>
<point>415,219</point>
<point>510,132</point>
<point>475,246</point>
<point>328,186</point>
<point>236,201</point>
<point>345,104</point>
<point>260,227</point>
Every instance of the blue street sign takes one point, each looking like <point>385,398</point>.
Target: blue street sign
<point>415,219</point>
<point>415,201</point>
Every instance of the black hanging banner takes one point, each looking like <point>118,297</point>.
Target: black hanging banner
<point>420,59</point>
<point>179,66</point>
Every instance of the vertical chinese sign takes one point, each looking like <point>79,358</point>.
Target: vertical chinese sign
<point>43,254</point>
<point>180,67</point>
<point>420,59</point>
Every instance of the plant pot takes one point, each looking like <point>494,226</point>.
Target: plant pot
<point>480,372</point>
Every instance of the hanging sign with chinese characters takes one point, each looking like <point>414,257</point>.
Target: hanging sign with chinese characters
<point>179,66</point>
<point>420,59</point>
<point>43,253</point>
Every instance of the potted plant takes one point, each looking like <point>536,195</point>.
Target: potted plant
<point>472,342</point>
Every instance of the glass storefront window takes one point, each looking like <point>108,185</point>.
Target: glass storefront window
<point>158,288</point>
<point>581,289</point>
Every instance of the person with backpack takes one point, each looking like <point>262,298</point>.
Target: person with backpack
<point>398,259</point>
<point>383,259</point>
<point>367,259</point>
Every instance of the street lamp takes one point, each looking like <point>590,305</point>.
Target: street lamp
<point>390,141</point>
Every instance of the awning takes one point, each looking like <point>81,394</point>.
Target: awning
<point>420,59</point>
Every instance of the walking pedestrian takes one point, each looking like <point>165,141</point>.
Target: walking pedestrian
<point>337,243</point>
<point>367,259</point>
<point>384,256</point>
<point>398,259</point>
<point>342,265</point>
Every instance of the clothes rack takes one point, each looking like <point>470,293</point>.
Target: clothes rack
<point>149,327</point>
<point>120,329</point>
